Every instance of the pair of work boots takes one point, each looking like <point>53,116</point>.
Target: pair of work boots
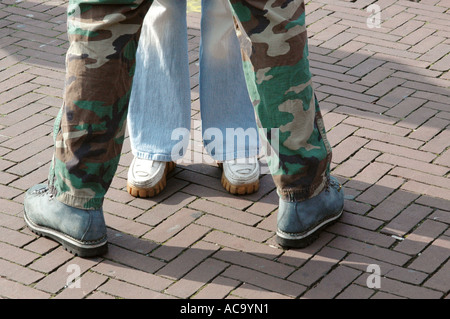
<point>83,232</point>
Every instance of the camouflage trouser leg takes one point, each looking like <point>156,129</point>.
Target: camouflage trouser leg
<point>275,53</point>
<point>89,130</point>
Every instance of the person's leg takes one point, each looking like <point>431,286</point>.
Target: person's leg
<point>160,103</point>
<point>89,130</point>
<point>228,118</point>
<point>224,100</point>
<point>274,42</point>
<point>160,97</point>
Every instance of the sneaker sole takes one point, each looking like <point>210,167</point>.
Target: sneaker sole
<point>292,240</point>
<point>244,189</point>
<point>152,191</point>
<point>70,244</point>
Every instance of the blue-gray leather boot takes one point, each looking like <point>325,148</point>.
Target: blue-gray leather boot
<point>299,223</point>
<point>81,232</point>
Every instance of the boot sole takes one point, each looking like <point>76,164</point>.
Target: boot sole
<point>290,240</point>
<point>152,191</point>
<point>70,244</point>
<point>244,189</point>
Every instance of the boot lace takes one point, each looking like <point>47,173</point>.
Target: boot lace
<point>334,184</point>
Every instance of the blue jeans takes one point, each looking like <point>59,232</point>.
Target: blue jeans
<point>159,117</point>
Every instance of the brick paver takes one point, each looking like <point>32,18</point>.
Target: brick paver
<point>385,99</point>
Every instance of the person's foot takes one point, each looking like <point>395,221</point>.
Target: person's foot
<point>241,176</point>
<point>299,223</point>
<point>147,178</point>
<point>81,232</point>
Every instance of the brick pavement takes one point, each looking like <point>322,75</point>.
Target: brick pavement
<point>385,98</point>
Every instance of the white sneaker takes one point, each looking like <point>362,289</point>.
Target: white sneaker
<point>241,176</point>
<point>147,178</point>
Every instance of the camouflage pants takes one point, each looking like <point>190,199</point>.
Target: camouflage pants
<point>89,130</point>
